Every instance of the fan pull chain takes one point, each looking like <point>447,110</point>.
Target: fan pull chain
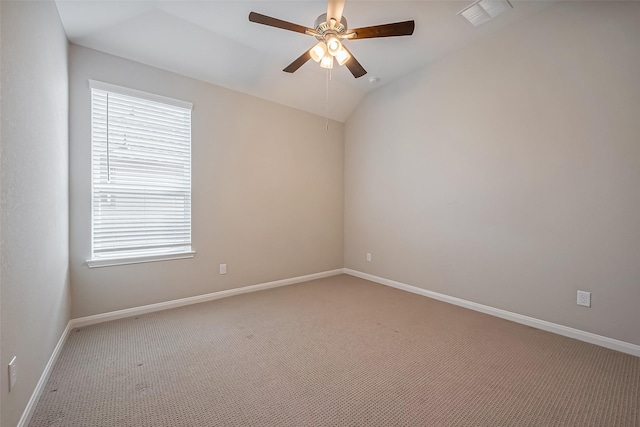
<point>326,103</point>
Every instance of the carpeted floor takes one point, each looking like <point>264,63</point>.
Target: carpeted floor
<point>339,351</point>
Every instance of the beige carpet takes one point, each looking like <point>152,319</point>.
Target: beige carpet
<point>334,352</point>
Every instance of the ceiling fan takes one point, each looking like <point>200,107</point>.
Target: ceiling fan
<point>330,29</point>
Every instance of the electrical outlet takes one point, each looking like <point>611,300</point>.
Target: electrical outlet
<point>584,298</point>
<point>13,373</point>
<point>368,257</point>
<point>223,268</point>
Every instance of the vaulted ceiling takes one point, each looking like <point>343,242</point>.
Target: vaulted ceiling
<point>214,41</point>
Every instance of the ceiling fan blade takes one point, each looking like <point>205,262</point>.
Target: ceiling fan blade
<point>334,10</point>
<point>354,66</point>
<point>386,30</point>
<point>299,62</point>
<point>278,23</point>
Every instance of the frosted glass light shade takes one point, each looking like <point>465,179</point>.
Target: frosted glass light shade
<point>342,56</point>
<point>327,61</point>
<point>333,45</point>
<point>318,51</point>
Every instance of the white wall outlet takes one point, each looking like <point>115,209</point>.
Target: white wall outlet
<point>584,298</point>
<point>13,373</point>
<point>368,257</point>
<point>223,268</point>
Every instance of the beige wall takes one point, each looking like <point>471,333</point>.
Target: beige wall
<point>509,173</point>
<point>34,195</point>
<point>267,191</point>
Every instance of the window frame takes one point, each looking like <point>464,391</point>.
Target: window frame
<point>125,259</point>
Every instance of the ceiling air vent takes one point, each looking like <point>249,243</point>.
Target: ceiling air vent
<point>484,10</point>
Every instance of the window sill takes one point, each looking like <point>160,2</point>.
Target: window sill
<point>109,262</point>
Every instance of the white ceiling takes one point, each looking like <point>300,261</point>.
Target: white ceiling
<point>214,41</point>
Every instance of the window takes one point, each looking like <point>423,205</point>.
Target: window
<point>141,177</point>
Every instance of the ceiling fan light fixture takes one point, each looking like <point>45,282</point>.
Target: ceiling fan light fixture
<point>329,30</point>
<point>333,45</point>
<point>318,52</point>
<point>327,62</point>
<point>342,56</point>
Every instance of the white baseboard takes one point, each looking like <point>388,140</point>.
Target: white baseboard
<point>566,331</point>
<point>135,311</point>
<point>611,343</point>
<point>35,396</point>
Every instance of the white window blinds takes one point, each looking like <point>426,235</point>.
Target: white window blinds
<point>141,173</point>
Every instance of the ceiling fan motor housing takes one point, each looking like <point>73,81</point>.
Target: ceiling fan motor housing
<point>324,29</point>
